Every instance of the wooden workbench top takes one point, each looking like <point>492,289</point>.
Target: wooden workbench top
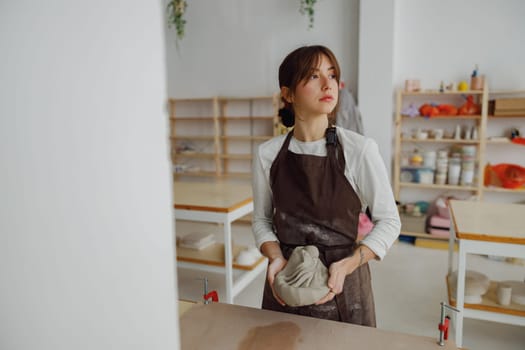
<point>224,326</point>
<point>211,196</point>
<point>485,221</point>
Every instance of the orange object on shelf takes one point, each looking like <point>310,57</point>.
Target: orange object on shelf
<point>469,107</point>
<point>504,175</point>
<point>446,109</point>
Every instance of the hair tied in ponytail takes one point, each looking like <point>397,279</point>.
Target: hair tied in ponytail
<point>287,116</point>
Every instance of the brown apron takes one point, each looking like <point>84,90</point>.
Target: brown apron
<point>314,204</point>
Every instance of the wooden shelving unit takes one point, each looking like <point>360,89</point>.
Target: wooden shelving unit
<point>216,136</point>
<point>485,145</point>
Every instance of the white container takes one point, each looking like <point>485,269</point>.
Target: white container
<point>467,177</point>
<point>429,159</point>
<point>504,294</point>
<point>441,178</point>
<point>426,177</point>
<point>454,170</point>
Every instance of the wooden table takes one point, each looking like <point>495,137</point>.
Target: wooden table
<point>222,326</point>
<point>216,202</point>
<point>491,229</point>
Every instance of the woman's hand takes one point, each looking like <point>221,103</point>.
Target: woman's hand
<point>340,269</point>
<point>276,265</point>
<point>337,271</point>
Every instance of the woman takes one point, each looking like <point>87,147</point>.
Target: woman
<point>309,187</point>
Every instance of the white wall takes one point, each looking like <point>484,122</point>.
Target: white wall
<point>375,72</point>
<point>444,39</point>
<point>234,47</point>
<point>86,252</point>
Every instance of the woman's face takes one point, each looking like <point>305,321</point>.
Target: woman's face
<point>317,95</point>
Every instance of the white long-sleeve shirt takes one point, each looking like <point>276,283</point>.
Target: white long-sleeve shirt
<point>365,170</point>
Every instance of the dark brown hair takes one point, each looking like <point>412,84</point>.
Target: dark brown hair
<point>296,68</point>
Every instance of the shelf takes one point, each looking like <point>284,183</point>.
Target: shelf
<point>437,92</point>
<point>191,99</point>
<point>191,119</point>
<point>194,137</point>
<point>489,302</point>
<point>441,117</point>
<point>504,190</point>
<point>434,186</point>
<point>245,138</point>
<point>195,155</point>
<point>248,118</point>
<point>506,116</point>
<point>236,156</point>
<point>441,141</point>
<point>196,173</point>
<point>498,141</point>
<point>423,235</point>
<point>214,255</point>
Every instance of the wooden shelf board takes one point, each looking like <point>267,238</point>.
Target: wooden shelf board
<point>197,173</point>
<point>192,119</point>
<point>236,156</point>
<point>248,118</point>
<point>194,137</point>
<point>505,141</point>
<point>442,117</point>
<point>245,138</point>
<point>434,243</point>
<point>446,187</point>
<point>504,190</point>
<point>489,302</point>
<point>506,116</point>
<point>238,175</point>
<point>437,92</point>
<point>441,141</point>
<point>236,98</point>
<point>191,99</point>
<point>507,92</point>
<point>194,155</point>
<point>214,255</point>
<point>423,235</point>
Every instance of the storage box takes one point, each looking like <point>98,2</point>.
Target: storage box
<point>423,175</point>
<point>438,226</point>
<point>507,107</point>
<point>415,224</point>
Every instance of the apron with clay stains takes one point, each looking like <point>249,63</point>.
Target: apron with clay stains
<point>314,204</point>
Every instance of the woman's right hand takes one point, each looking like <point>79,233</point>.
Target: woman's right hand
<point>275,266</point>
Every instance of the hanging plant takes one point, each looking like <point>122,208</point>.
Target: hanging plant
<point>307,8</point>
<point>176,9</point>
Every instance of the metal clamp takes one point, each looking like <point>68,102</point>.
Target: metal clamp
<point>444,324</point>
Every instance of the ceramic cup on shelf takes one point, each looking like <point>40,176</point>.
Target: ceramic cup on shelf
<point>412,85</point>
<point>477,82</point>
<point>438,134</point>
<point>504,294</point>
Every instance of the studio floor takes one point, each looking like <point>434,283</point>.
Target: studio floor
<point>408,285</point>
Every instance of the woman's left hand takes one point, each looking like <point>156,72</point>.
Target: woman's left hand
<point>337,271</point>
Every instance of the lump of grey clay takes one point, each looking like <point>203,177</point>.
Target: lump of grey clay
<point>304,279</point>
